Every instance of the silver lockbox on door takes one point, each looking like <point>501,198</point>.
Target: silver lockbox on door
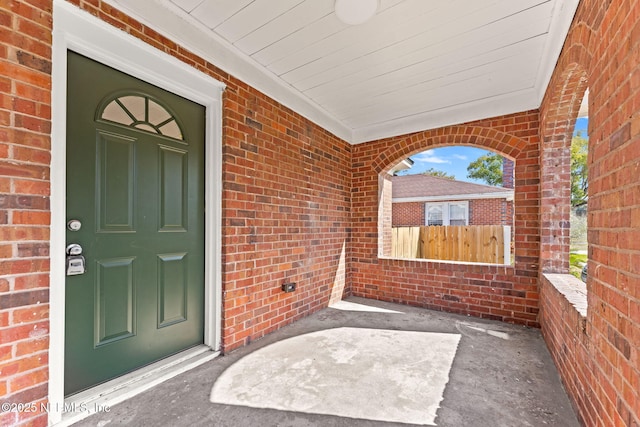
<point>75,260</point>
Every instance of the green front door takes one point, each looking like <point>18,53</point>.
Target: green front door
<point>135,189</point>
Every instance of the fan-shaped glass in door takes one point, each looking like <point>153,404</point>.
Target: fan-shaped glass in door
<point>142,113</point>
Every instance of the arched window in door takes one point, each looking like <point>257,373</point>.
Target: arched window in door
<point>143,113</point>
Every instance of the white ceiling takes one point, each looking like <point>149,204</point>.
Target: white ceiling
<point>416,65</point>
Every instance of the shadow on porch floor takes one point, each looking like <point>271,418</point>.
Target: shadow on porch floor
<point>365,363</point>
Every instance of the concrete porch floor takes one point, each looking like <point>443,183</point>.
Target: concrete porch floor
<point>365,363</point>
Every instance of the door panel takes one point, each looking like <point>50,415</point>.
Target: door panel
<point>135,180</point>
<point>173,191</point>
<point>116,198</point>
<point>115,305</point>
<point>172,289</point>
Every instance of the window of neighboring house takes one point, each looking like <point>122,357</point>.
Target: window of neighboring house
<point>447,213</point>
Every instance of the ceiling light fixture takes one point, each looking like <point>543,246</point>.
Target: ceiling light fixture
<point>354,12</point>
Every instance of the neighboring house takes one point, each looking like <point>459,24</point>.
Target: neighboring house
<point>429,200</point>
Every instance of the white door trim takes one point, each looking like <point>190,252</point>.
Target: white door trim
<point>76,30</point>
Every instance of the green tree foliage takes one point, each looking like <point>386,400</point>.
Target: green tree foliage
<point>438,173</point>
<point>579,179</point>
<point>487,168</point>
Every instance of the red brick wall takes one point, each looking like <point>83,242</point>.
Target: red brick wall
<point>481,212</point>
<point>569,339</point>
<point>602,370</point>
<point>496,292</point>
<point>490,212</point>
<point>285,212</point>
<point>407,214</point>
<point>25,113</point>
<point>507,172</point>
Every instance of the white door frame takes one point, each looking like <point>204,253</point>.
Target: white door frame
<point>76,30</point>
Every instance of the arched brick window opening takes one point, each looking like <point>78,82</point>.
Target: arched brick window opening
<point>499,142</point>
<point>555,175</point>
<point>579,193</point>
<point>437,214</point>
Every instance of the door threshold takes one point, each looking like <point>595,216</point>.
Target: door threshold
<point>101,397</point>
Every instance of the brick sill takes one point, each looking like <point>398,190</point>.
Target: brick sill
<point>573,289</point>
<point>443,261</point>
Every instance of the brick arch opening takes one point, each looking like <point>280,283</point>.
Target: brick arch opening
<point>475,136</point>
<point>502,143</point>
<point>557,126</point>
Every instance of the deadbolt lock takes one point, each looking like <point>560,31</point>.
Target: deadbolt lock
<point>74,225</point>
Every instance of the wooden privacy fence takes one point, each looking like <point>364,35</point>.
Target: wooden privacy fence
<point>471,243</point>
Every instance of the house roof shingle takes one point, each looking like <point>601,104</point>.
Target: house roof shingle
<point>407,186</point>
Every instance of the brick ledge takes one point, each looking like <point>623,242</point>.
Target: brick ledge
<point>572,288</point>
<point>444,261</point>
